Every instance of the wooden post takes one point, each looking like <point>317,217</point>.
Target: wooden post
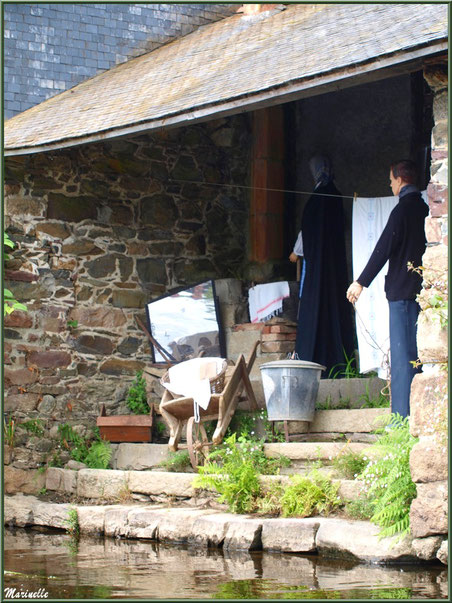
<point>267,207</point>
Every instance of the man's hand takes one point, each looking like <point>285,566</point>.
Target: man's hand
<point>354,291</point>
<point>293,257</point>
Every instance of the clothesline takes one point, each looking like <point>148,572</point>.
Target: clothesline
<point>262,188</point>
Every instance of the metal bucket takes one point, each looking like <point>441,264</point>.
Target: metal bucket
<point>290,389</point>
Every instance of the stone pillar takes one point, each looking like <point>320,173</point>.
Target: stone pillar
<point>428,421</point>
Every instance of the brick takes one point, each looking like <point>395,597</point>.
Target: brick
<point>279,336</point>
<point>282,329</point>
<point>277,346</point>
<point>256,326</point>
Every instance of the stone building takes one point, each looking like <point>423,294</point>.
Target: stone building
<point>156,173</point>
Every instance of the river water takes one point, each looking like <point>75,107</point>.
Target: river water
<point>98,568</point>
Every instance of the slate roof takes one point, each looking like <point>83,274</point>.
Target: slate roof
<point>232,63</point>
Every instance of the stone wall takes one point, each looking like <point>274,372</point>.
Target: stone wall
<point>52,47</point>
<point>429,402</point>
<point>100,230</point>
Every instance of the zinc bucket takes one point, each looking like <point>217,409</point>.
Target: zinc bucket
<point>290,389</point>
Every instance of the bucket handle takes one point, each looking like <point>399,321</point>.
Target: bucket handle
<point>292,356</point>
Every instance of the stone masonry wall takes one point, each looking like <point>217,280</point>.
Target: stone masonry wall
<point>429,401</point>
<point>100,230</point>
<point>52,47</point>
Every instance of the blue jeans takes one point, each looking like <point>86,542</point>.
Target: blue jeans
<point>402,333</point>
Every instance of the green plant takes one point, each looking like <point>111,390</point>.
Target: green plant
<point>95,455</point>
<point>72,324</point>
<point>159,427</point>
<point>98,455</point>
<point>387,479</point>
<point>177,461</point>
<point>350,464</point>
<point>9,302</point>
<point>381,401</point>
<point>137,397</point>
<point>43,491</point>
<point>9,431</point>
<point>310,494</point>
<point>359,509</point>
<point>347,369</point>
<point>56,461</point>
<point>34,426</point>
<point>230,470</point>
<point>73,527</point>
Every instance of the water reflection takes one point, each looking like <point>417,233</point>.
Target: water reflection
<point>99,568</point>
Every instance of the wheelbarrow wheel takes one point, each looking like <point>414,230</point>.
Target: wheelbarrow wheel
<point>197,442</point>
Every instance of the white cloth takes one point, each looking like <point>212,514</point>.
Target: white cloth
<point>372,320</point>
<point>191,379</point>
<point>266,300</point>
<point>298,247</point>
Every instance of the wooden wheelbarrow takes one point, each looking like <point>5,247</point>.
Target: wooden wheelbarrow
<point>178,410</point>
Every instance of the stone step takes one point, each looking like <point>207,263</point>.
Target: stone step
<point>203,528</point>
<point>116,485</point>
<point>314,451</point>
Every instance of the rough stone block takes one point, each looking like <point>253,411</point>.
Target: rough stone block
<point>277,347</point>
<point>428,460</point>
<point>427,548</point>
<point>52,515</point>
<point>431,338</point>
<point>115,521</point>
<point>311,451</point>
<point>429,405</point>
<point>91,519</point>
<point>356,390</point>
<point>17,510</point>
<point>289,535</point>
<point>61,480</point>
<point>443,552</point>
<point>101,483</point>
<point>243,534</point>
<point>139,456</point>
<point>22,480</point>
<point>21,402</point>
<point>345,421</point>
<point>428,513</point>
<point>49,359</point>
<point>143,523</point>
<point>161,482</point>
<point>176,525</point>
<point>359,540</point>
<point>210,530</point>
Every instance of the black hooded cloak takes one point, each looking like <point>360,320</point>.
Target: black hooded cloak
<point>325,327</point>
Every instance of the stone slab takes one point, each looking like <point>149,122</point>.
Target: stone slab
<point>139,456</point>
<point>91,519</point>
<point>143,523</point>
<point>312,451</point>
<point>443,552</point>
<point>289,535</point>
<point>101,483</point>
<point>362,420</point>
<point>429,510</point>
<point>356,390</point>
<point>22,480</point>
<point>161,482</point>
<point>61,480</point>
<point>17,510</point>
<point>176,525</point>
<point>210,530</point>
<point>243,533</point>
<point>115,521</point>
<point>359,540</point>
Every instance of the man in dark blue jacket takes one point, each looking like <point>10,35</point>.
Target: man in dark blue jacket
<point>401,242</point>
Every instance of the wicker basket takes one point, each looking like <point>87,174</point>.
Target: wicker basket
<point>216,383</point>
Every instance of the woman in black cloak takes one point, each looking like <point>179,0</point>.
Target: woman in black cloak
<point>325,328</point>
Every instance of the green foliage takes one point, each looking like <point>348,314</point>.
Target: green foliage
<point>98,455</point>
<point>230,470</point>
<point>381,401</point>
<point>137,397</point>
<point>9,302</point>
<point>359,509</point>
<point>95,455</point>
<point>34,426</point>
<point>350,464</point>
<point>387,480</point>
<point>159,427</point>
<point>309,495</point>
<point>347,369</point>
<point>177,461</point>
<point>73,527</point>
<point>72,324</point>
<point>42,491</point>
<point>56,461</point>
<point>9,431</point>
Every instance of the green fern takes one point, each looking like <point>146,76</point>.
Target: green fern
<point>98,455</point>
<point>309,495</point>
<point>387,480</point>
